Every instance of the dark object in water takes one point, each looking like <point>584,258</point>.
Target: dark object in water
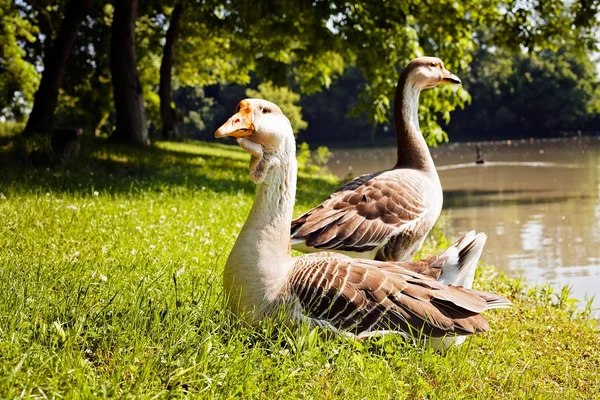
<point>65,143</point>
<point>479,159</point>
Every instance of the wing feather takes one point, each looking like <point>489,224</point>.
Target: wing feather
<point>363,296</point>
<point>366,213</point>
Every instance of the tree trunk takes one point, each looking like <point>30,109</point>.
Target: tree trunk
<point>55,60</point>
<point>131,126</point>
<point>167,113</point>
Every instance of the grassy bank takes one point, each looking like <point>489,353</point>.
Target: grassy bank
<point>110,286</point>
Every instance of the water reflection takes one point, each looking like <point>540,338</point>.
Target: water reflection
<point>538,202</point>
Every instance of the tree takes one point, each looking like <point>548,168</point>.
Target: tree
<point>55,60</point>
<point>18,77</point>
<point>167,113</point>
<point>86,95</point>
<point>333,115</point>
<point>213,51</point>
<point>285,99</point>
<point>131,125</point>
<point>382,37</point>
<point>301,45</point>
<point>528,95</point>
<point>306,46</point>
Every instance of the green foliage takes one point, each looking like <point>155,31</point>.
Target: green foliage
<point>10,128</point>
<point>530,95</point>
<point>303,156</point>
<point>110,286</point>
<point>208,51</point>
<point>333,115</point>
<point>204,115</point>
<point>285,99</point>
<point>18,77</point>
<point>312,162</point>
<point>86,96</point>
<point>301,45</point>
<point>322,156</point>
<point>385,36</point>
<point>151,26</point>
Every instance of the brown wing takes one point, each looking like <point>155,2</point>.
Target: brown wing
<point>431,266</point>
<point>365,213</point>
<point>363,296</point>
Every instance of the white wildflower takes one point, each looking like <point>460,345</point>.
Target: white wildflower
<point>72,207</point>
<point>96,193</point>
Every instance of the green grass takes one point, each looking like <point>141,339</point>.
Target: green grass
<point>110,287</point>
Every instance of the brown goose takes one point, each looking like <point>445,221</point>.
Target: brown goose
<point>385,215</point>
<point>355,297</point>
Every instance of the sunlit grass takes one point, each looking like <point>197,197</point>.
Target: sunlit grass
<point>110,286</point>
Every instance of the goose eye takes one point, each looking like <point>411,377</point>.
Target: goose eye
<point>237,109</point>
<point>433,65</point>
<point>266,111</point>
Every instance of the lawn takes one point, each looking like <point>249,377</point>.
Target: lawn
<point>110,287</point>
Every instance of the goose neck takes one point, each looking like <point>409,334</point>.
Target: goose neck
<point>260,260</point>
<point>412,148</point>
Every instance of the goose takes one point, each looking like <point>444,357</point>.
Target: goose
<point>479,155</point>
<point>358,298</point>
<point>385,215</point>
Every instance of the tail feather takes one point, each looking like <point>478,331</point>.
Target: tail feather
<point>461,260</point>
<point>493,300</point>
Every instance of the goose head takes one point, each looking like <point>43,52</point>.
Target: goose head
<point>429,72</point>
<point>261,129</point>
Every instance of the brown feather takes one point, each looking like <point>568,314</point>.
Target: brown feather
<point>363,296</point>
<point>366,213</point>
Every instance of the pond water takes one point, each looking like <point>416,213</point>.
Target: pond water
<point>539,203</point>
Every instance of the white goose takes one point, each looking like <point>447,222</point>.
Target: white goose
<point>359,298</point>
<point>385,215</point>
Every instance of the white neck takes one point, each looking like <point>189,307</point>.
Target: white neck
<point>412,148</point>
<point>260,260</point>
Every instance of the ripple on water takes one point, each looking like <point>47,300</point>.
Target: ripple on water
<point>540,209</point>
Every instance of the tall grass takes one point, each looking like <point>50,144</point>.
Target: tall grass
<point>110,287</point>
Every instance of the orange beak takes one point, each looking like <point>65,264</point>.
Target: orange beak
<point>239,125</point>
<point>449,77</point>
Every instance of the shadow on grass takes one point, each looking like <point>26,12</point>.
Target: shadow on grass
<point>120,169</point>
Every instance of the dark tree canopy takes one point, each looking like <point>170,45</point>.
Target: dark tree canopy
<point>529,95</point>
<point>303,46</point>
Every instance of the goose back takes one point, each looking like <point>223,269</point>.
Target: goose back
<point>385,215</point>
